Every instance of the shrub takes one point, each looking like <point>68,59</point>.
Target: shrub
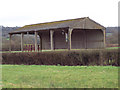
<point>81,57</point>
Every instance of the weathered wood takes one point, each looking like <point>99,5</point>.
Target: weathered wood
<point>104,38</point>
<point>36,49</point>
<point>10,36</point>
<point>51,39</point>
<point>40,36</point>
<point>69,38</point>
<point>22,35</point>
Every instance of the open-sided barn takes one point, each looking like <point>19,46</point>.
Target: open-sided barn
<point>80,33</point>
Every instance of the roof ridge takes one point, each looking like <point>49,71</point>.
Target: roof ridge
<point>57,21</point>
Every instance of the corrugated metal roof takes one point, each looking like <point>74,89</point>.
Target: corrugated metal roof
<point>82,23</point>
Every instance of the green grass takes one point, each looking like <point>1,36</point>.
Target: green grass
<point>113,48</point>
<point>36,76</point>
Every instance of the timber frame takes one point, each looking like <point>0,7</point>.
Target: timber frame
<point>52,30</point>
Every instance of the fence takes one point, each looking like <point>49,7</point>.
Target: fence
<point>31,47</point>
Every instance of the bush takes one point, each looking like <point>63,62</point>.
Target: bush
<point>83,57</point>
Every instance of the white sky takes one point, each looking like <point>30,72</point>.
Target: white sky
<point>24,12</point>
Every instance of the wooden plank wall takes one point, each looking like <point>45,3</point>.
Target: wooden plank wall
<point>95,39</point>
<point>87,39</point>
<point>78,39</point>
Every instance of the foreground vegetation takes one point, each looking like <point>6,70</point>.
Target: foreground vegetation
<point>54,50</point>
<point>42,76</point>
<point>70,58</point>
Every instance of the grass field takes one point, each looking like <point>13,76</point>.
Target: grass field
<point>113,48</point>
<point>36,76</point>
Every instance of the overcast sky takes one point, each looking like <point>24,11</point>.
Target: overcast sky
<point>24,12</point>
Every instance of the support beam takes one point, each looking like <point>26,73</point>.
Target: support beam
<point>40,36</point>
<point>51,40</point>
<point>69,38</point>
<point>36,49</point>
<point>10,36</point>
<point>22,35</point>
<point>104,38</point>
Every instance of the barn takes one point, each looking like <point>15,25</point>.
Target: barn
<point>80,33</point>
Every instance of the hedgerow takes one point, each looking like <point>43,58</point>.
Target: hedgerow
<point>70,58</point>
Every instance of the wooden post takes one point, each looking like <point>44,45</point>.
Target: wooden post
<point>40,42</point>
<point>69,38</point>
<point>36,41</point>
<point>51,39</point>
<point>22,35</point>
<point>104,38</point>
<point>10,36</point>
<point>40,36</point>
